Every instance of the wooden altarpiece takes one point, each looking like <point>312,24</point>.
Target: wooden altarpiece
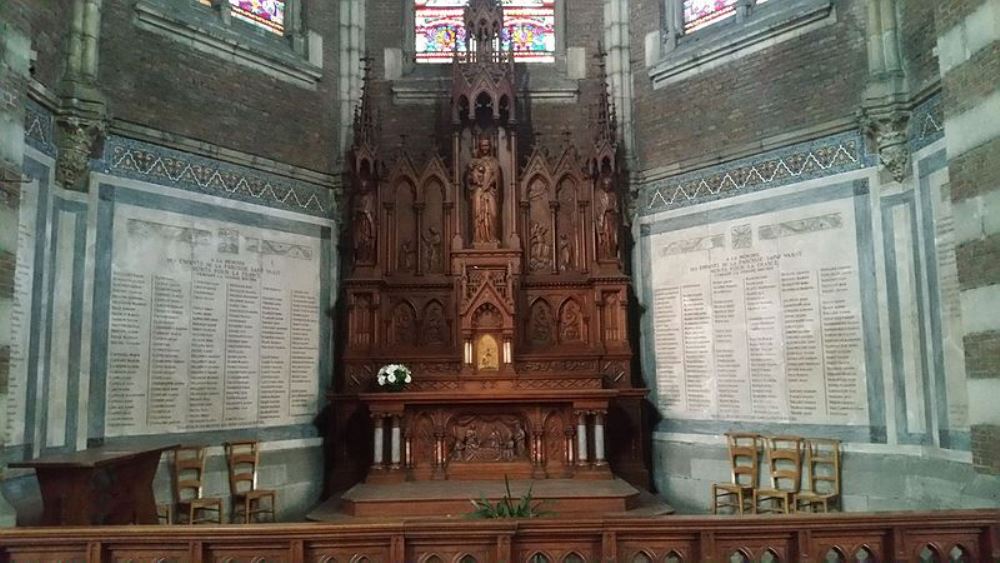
<point>499,280</point>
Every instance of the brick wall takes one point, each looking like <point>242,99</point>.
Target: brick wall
<point>161,83</point>
<point>790,86</point>
<point>917,38</point>
<point>47,22</point>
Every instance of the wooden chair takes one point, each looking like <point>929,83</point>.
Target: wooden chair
<point>744,449</point>
<point>189,476</point>
<point>165,513</point>
<point>823,469</point>
<point>784,455</point>
<point>248,501</point>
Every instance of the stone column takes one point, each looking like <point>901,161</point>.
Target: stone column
<point>395,449</point>
<point>599,438</point>
<point>884,112</point>
<point>378,442</point>
<point>581,438</point>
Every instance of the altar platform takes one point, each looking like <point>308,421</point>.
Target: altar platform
<point>450,499</point>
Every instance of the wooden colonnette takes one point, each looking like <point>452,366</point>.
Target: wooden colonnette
<point>883,536</point>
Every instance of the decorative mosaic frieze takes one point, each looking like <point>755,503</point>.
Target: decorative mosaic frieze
<point>806,161</point>
<point>38,128</point>
<point>926,123</point>
<point>160,165</point>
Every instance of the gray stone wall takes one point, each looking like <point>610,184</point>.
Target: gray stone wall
<point>872,481</point>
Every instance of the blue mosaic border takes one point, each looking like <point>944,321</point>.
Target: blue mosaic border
<point>796,163</point>
<point>39,128</point>
<point>926,123</point>
<point>138,160</point>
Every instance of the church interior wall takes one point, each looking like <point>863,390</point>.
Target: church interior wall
<point>924,392</point>
<point>788,89</point>
<point>49,31</point>
<point>786,113</point>
<point>161,81</point>
<point>186,127</point>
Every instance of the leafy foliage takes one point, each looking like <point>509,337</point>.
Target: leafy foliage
<point>525,507</point>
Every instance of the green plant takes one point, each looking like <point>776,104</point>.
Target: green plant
<point>506,508</point>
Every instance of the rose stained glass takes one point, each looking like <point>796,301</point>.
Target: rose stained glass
<point>700,13</point>
<point>529,24</point>
<point>269,14</point>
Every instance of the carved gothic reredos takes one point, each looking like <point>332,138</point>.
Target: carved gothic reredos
<point>533,238</point>
<point>488,266</point>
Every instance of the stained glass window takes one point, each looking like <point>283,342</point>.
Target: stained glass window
<point>269,14</point>
<point>699,13</point>
<point>529,24</point>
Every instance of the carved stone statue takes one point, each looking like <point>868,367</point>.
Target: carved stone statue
<point>364,222</point>
<point>609,220</point>
<point>483,181</point>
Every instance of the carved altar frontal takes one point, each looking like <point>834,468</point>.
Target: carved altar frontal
<point>495,273</point>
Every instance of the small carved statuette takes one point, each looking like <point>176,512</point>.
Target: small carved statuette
<point>432,250</point>
<point>609,220</point>
<point>364,222</point>
<point>565,253</point>
<point>407,256</point>
<point>541,251</point>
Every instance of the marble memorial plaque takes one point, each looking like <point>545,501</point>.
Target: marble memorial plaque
<point>213,325</point>
<point>759,319</point>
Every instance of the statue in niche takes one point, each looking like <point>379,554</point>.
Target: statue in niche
<point>565,253</point>
<point>404,325</point>
<point>540,324</point>
<point>432,249</point>
<point>407,256</point>
<point>489,354</point>
<point>609,220</point>
<point>540,256</point>
<point>434,329</point>
<point>364,221</point>
<point>483,179</point>
<point>571,323</point>
<point>519,436</point>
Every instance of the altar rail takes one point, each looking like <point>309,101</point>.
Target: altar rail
<point>937,536</point>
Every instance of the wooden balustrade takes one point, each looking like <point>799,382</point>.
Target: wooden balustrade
<point>933,536</point>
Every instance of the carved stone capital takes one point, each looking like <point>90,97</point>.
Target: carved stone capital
<point>77,139</point>
<point>887,130</point>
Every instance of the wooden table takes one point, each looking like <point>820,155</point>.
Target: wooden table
<point>105,485</point>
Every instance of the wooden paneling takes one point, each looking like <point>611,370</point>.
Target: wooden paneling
<point>814,538</point>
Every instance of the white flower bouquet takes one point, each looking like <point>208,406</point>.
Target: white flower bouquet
<point>394,377</point>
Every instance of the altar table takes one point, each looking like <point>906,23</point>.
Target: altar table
<point>98,486</point>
